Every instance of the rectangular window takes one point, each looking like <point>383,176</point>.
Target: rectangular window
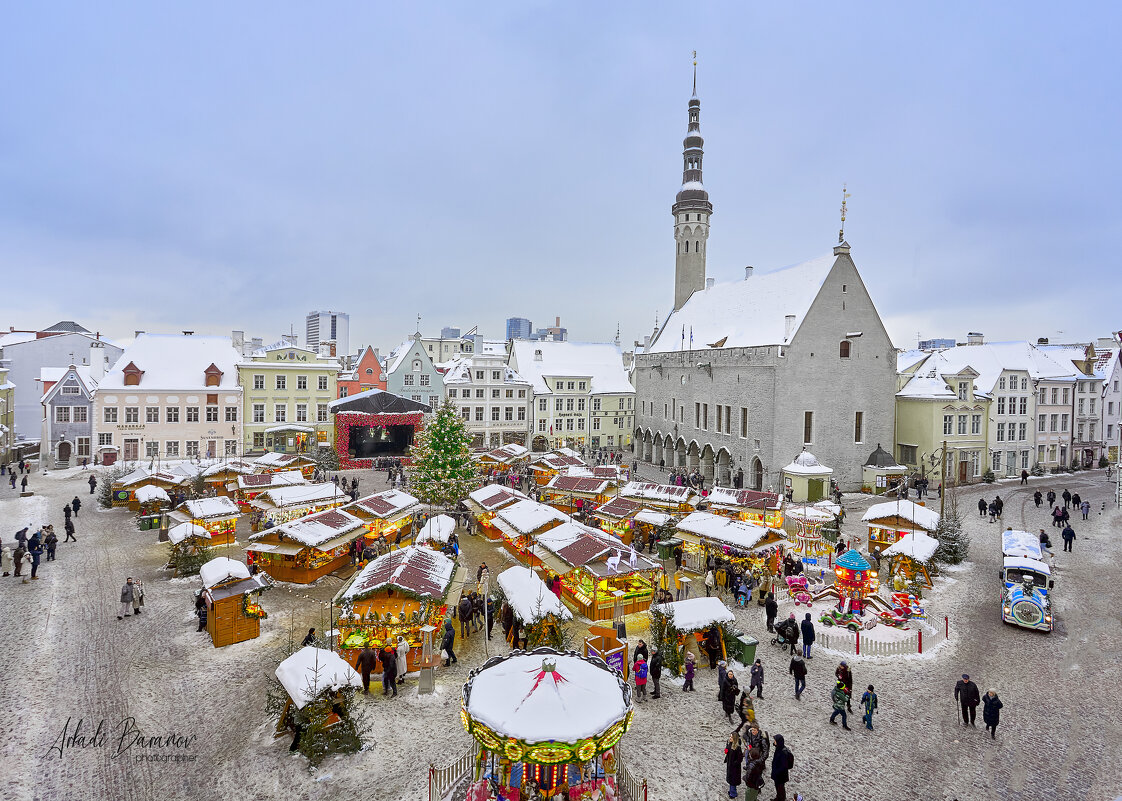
<point>62,414</point>
<point>541,425</point>
<point>580,424</point>
<point>407,380</point>
<point>621,403</point>
<point>948,424</point>
<point>301,382</point>
<point>259,413</point>
<point>83,446</point>
<point>858,426</point>
<point>558,404</point>
<point>521,414</point>
<point>1053,422</point>
<point>1063,454</point>
<point>71,389</point>
<point>171,448</point>
<point>569,424</point>
<point>508,413</point>
<point>571,387</point>
<point>151,449</point>
<point>1063,422</point>
<point>808,427</point>
<point>212,414</point>
<point>434,400</point>
<point>192,447</point>
<point>192,414</point>
<point>104,439</point>
<point>1001,383</point>
<point>1001,405</point>
<point>1043,396</point>
<point>582,386</point>
<point>1001,432</point>
<point>744,422</point>
<point>343,392</point>
<point>231,447</point>
<point>479,394</point>
<point>132,414</point>
<point>1023,405</point>
<point>962,424</point>
<point>1080,405</point>
<point>282,382</point>
<point>568,404</point>
<point>466,413</point>
<point>258,440</point>
<point>496,375</point>
<point>109,413</point>
<point>542,404</point>
<point>1090,406</point>
<point>301,413</point>
<point>1040,453</point>
<point>1056,395</point>
<point>1066,396</point>
<point>595,423</point>
<point>171,414</point>
<point>907,454</point>
<point>728,418</point>
<point>1091,432</point>
<point>1022,431</point>
<point>479,414</point>
<point>258,382</point>
<point>495,413</point>
<point>596,406</point>
<point>321,412</point>
<point>996,461</point>
<point>231,414</point>
<point>975,424</point>
<point>323,385</point>
<point>451,393</point>
<point>151,414</point>
<point>280,412</point>
<point>1079,433</point>
<point>495,394</point>
<point>1042,425</point>
<point>80,414</point>
<point>1025,459</point>
<point>425,379</point>
<point>720,417</point>
<point>580,404</point>
<point>963,389</point>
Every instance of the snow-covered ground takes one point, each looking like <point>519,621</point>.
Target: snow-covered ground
<point>67,657</point>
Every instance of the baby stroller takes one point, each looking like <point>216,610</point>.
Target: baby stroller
<point>786,634</point>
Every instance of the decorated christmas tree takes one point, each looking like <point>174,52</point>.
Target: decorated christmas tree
<point>954,543</point>
<point>443,471</point>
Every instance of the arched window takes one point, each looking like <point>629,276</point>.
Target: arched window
<point>696,246</point>
<point>416,365</point>
<point>843,349</point>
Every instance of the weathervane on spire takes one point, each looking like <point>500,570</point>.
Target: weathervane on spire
<point>694,56</point>
<point>841,231</point>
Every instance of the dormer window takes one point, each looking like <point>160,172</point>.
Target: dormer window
<point>213,376</point>
<point>963,390</point>
<point>132,374</point>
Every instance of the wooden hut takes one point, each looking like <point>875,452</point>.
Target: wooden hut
<point>219,516</point>
<point>576,494</point>
<point>282,504</point>
<point>909,556</point>
<point>547,465</point>
<point>534,612</point>
<point>314,676</point>
<point>507,457</point>
<point>743,544</point>
<point>221,477</point>
<point>669,498</point>
<point>307,548</point>
<point>124,489</point>
<point>283,462</point>
<point>436,532</point>
<point>521,523</point>
<point>245,488</point>
<point>395,594</point>
<point>232,597</point>
<point>387,515</point>
<point>617,517</point>
<point>598,571</point>
<point>749,506</point>
<point>687,624</point>
<point>486,501</point>
<point>890,521</point>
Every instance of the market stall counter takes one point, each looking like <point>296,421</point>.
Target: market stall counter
<point>387,515</point>
<point>282,504</point>
<point>219,516</point>
<point>305,549</point>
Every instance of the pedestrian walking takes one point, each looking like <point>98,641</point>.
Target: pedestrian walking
<point>1067,497</point>
<point>991,711</point>
<point>654,671</point>
<point>66,511</point>
<point>446,643</point>
<point>982,506</point>
<point>126,600</point>
<point>839,698</point>
<point>869,703</point>
<point>1000,504</point>
<point>367,658</point>
<point>734,756</point>
<point>200,610</point>
<point>968,697</point>
<point>1085,508</point>
<point>1024,477</point>
<point>50,542</point>
<point>1075,500</point>
<point>781,764</point>
<point>1057,517</point>
<point>639,670</point>
<point>402,659</point>
<point>797,669</point>
<point>68,527</point>
<point>1037,498</point>
<point>137,596</point>
<point>689,671</point>
<point>23,484</point>
<point>771,609</point>
<point>388,656</point>
<point>76,504</point>
<point>745,709</point>
<point>729,696</point>
<point>1069,537</point>
<point>35,550</point>
<point>807,627</point>
<point>12,479</point>
<point>713,646</point>
<point>756,678</point>
<point>845,676</point>
<point>93,484</point>
<point>1051,497</point>
<point>23,563</point>
<point>6,561</point>
<point>722,674</point>
<point>710,583</point>
<point>463,609</point>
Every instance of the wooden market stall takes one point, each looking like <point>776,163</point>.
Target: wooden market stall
<point>282,504</point>
<point>387,516</point>
<point>576,494</point>
<point>484,502</point>
<point>546,723</point>
<point>232,597</point>
<point>686,626</point>
<point>890,521</point>
<point>745,545</point>
<point>600,576</point>
<point>547,465</point>
<point>219,477</point>
<point>521,523</point>
<point>151,503</point>
<point>669,498</point>
<point>908,559</point>
<point>314,676</point>
<point>304,549</point>
<point>283,462</point>
<point>436,532</point>
<point>508,457</point>
<point>123,490</point>
<point>189,547</point>
<point>749,506</point>
<point>245,488</point>
<point>395,594</point>
<point>617,517</point>
<point>530,613</point>
<point>219,516</point>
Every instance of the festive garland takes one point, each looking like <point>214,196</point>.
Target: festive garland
<point>345,421</point>
<point>252,609</point>
<point>547,753</point>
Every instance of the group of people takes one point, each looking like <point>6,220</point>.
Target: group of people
<point>968,697</point>
<point>31,551</point>
<point>993,508</point>
<point>393,658</point>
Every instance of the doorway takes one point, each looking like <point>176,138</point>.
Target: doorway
<point>64,453</point>
<point>962,472</point>
<point>132,449</point>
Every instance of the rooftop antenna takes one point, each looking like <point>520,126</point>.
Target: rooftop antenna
<point>841,231</point>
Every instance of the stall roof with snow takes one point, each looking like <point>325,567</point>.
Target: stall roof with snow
<point>388,505</point>
<point>221,569</point>
<point>915,545</point>
<point>664,494</point>
<point>310,671</point>
<point>437,529</point>
<point>212,508</point>
<point>743,499</point>
<point>323,530</point>
<point>150,494</point>
<point>578,545</point>
<point>526,517</point>
<point>491,497</point>
<point>556,462</point>
<point>528,596</point>
<point>417,571</point>
<point>927,519</point>
<point>177,534</point>
<point>300,495</point>
<point>274,460</point>
<point>694,614</point>
<point>259,482</point>
<point>578,485</point>
<point>722,529</point>
<point>618,509</point>
<point>230,466</point>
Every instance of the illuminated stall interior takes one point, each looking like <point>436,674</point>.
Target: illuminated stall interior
<point>307,548</point>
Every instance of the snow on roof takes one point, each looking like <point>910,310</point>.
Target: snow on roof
<point>175,362</point>
<point>807,464</point>
<point>219,569</point>
<point>697,613</point>
<point>314,529</point>
<point>922,516</point>
<point>653,518</point>
<point>915,545</point>
<point>421,571</point>
<point>527,516</point>
<point>516,698</point>
<point>149,493</point>
<point>232,466</point>
<point>386,504</point>
<point>304,494</point>
<point>1020,543</point>
<point>506,454</point>
<point>205,508</point>
<point>601,363</point>
<point>748,313</point>
<point>311,670</point>
<point>493,496</point>
<point>528,596</point>
<point>57,374</point>
<point>908,358</point>
<point>438,529</point>
<point>751,499</point>
<point>585,484</point>
<point>618,509</point>
<point>665,493</point>
<point>263,481</point>
<point>567,452</point>
<point>1106,360</point>
<point>723,529</point>
<point>459,370</point>
<point>556,461</point>
<point>1024,563</point>
<point>274,459</point>
<point>177,534</point>
<point>989,361</point>
<point>289,427</point>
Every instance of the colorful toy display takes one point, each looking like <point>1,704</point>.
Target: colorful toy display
<point>854,581</point>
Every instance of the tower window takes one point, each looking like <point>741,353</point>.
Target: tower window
<point>696,244</point>
<point>843,351</point>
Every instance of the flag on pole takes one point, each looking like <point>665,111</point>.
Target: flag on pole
<point>691,337</point>
<point>683,336</point>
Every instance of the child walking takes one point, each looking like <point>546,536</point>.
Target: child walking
<point>640,670</point>
<point>869,701</point>
<point>689,671</point>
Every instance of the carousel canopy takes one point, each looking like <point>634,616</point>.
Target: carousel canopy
<point>547,697</point>
<point>528,596</point>
<point>150,494</point>
<point>438,529</point>
<point>310,671</point>
<point>916,546</point>
<point>207,508</point>
<point>927,519</point>
<point>177,534</point>
<point>852,560</point>
<point>694,614</point>
<point>221,569</point>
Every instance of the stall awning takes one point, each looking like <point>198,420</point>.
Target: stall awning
<point>552,561</point>
<point>282,548</point>
<point>335,542</point>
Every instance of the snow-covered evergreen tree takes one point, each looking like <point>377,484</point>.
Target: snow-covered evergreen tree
<point>443,471</point>
<point>954,543</point>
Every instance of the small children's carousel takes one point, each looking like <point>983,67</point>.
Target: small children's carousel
<point>546,722</point>
<point>854,580</point>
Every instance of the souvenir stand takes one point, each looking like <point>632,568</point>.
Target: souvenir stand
<point>124,489</point>
<point>398,593</point>
<point>537,614</point>
<point>749,506</point>
<point>284,462</point>
<point>686,624</point>
<point>909,557</point>
<point>617,517</point>
<point>576,495</point>
<point>303,550</point>
<point>186,542</point>
<point>618,474</point>
<point>219,516</point>
<point>219,477</point>
<point>890,521</point>
<point>232,598</point>
<point>276,506</point>
<point>386,515</point>
<point>749,547</point>
<point>436,532</point>
<point>854,581</point>
<point>484,502</point>
<point>669,498</point>
<point>521,523</point>
<point>546,722</point>
<point>306,675</point>
<point>598,572</point>
<point>545,466</point>
<point>604,643</point>
<point>245,488</point>
<point>503,459</point>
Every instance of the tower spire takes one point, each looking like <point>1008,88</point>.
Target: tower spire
<point>691,208</point>
<point>841,231</point>
<point>694,74</point>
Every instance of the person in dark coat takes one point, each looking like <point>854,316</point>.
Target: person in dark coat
<point>797,669</point>
<point>734,755</point>
<point>200,611</point>
<point>490,611</point>
<point>781,764</point>
<point>771,609</point>
<point>68,527</point>
<point>309,638</point>
<point>365,665</point>
<point>713,646</point>
<point>1037,498</point>
<point>23,484</point>
<point>66,511</point>
<point>756,678</point>
<point>76,504</point>
<point>654,669</point>
<point>807,627</point>
<point>447,641</point>
<point>93,484</point>
<point>389,669</point>
<point>641,651</point>
<point>729,694</point>
<point>968,697</point>
<point>1069,537</point>
<point>464,610</point>
<point>845,676</point>
<point>1051,497</point>
<point>982,507</point>
<point>991,712</point>
<point>1067,498</point>
<point>50,542</point>
<point>754,774</point>
<point>35,548</point>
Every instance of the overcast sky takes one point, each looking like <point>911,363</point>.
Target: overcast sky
<point>215,166</point>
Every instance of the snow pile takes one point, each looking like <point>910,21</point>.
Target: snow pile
<point>915,545</point>
<point>310,671</point>
<point>807,464</point>
<point>149,494</point>
<point>927,519</point>
<point>693,614</point>
<point>219,569</point>
<point>438,529</point>
<point>528,596</point>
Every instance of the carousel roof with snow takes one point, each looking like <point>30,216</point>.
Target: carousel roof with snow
<point>437,529</point>
<point>311,670</point>
<point>927,519</point>
<point>807,464</point>
<point>853,560</point>
<point>149,493</point>
<point>177,534</point>
<point>915,545</point>
<point>547,697</point>
<point>693,614</point>
<point>528,596</point>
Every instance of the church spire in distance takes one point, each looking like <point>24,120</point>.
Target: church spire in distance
<point>691,208</point>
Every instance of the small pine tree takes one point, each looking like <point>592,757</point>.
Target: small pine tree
<point>105,485</point>
<point>954,543</point>
<point>988,476</point>
<point>443,471</point>
<point>664,639</point>
<point>186,561</point>
<point>326,458</point>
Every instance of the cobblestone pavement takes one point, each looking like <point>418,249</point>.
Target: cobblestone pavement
<point>68,657</point>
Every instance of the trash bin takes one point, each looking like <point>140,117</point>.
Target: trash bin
<point>746,644</point>
<point>666,547</point>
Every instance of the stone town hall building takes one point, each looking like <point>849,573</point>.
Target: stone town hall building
<point>744,375</point>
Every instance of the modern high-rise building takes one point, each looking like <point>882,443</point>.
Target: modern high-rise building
<point>936,344</point>
<point>328,325</point>
<point>518,328</point>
